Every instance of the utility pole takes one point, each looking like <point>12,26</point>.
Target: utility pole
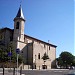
<point>32,55</point>
<point>17,51</point>
<point>10,57</point>
<point>10,54</point>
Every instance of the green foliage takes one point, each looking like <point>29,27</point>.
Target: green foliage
<point>65,59</point>
<point>4,54</point>
<point>45,57</point>
<point>73,63</point>
<point>20,59</point>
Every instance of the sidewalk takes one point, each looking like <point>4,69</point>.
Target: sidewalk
<point>9,73</point>
<point>6,74</point>
<point>44,69</point>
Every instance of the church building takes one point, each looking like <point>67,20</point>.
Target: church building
<point>31,49</point>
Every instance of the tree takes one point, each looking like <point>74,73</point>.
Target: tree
<point>65,59</point>
<point>45,57</point>
<point>73,63</point>
<point>13,54</point>
<point>3,53</point>
<point>8,54</point>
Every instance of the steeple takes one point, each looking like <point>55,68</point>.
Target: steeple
<point>20,14</point>
<point>19,22</point>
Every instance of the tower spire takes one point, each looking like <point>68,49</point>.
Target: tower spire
<point>20,14</point>
<point>20,2</point>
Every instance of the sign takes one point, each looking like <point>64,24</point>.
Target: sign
<point>17,50</point>
<point>9,54</point>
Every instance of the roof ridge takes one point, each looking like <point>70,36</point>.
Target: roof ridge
<point>40,40</point>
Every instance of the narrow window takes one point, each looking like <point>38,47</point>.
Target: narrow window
<point>49,47</point>
<point>11,38</point>
<point>17,25</point>
<point>39,42</point>
<point>32,41</point>
<point>35,57</point>
<point>39,56</point>
<point>22,52</point>
<point>44,45</point>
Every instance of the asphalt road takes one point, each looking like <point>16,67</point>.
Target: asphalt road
<point>49,72</point>
<point>43,72</point>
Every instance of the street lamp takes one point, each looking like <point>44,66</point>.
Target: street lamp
<point>17,51</point>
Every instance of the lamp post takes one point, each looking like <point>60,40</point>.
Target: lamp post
<point>17,51</point>
<point>32,55</point>
<point>35,61</point>
<point>10,57</point>
<point>10,54</point>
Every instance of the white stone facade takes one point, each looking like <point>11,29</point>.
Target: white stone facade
<point>31,49</point>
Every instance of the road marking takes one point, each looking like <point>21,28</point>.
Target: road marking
<point>1,72</point>
<point>23,74</point>
<point>57,71</point>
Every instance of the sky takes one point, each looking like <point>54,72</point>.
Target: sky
<point>45,20</point>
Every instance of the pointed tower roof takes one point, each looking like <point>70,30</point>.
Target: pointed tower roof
<point>20,14</point>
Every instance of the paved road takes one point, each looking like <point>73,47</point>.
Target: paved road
<point>44,72</point>
<point>49,72</point>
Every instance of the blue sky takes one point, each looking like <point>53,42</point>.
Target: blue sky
<point>45,19</point>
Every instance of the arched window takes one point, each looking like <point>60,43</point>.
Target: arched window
<point>17,25</point>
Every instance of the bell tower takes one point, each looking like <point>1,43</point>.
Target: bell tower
<point>19,22</point>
